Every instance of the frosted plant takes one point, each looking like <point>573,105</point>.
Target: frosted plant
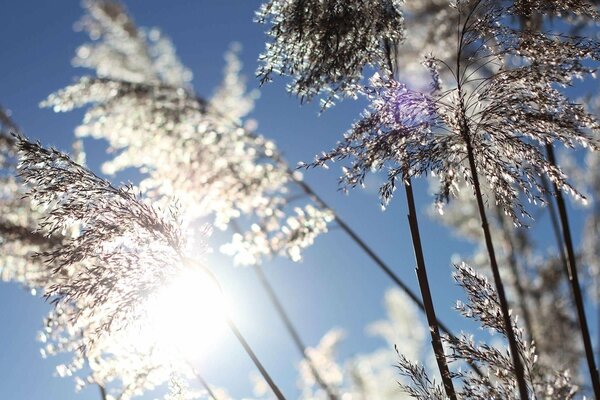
<point>587,176</point>
<point>591,235</point>
<point>132,364</point>
<point>556,8</point>
<point>179,390</point>
<point>480,128</point>
<point>325,45</point>
<point>115,274</point>
<point>393,329</point>
<point>549,296</point>
<point>192,148</point>
<point>411,133</point>
<point>535,282</point>
<point>120,51</point>
<point>127,362</point>
<point>298,233</point>
<point>231,97</point>
<point>430,30</point>
<point>499,382</point>
<point>121,251</point>
<point>130,249</point>
<point>19,239</point>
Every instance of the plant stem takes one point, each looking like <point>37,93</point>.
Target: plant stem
<point>515,270</point>
<point>287,322</point>
<point>102,391</point>
<point>421,270</point>
<point>369,252</point>
<point>203,382</point>
<point>255,359</point>
<point>574,280</point>
<point>510,333</point>
<point>293,332</point>
<point>376,259</point>
<point>234,329</point>
<point>555,225</point>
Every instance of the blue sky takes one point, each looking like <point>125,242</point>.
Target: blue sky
<point>334,286</point>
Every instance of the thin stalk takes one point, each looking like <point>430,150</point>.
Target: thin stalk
<point>510,333</point>
<point>376,259</point>
<point>369,252</point>
<point>574,281</point>
<point>102,391</point>
<point>287,322</point>
<point>293,332</point>
<point>234,329</point>
<point>436,340</point>
<point>464,131</point>
<point>204,384</point>
<point>515,271</point>
<point>255,359</point>
<point>555,225</point>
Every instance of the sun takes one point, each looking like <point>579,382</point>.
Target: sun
<point>188,314</point>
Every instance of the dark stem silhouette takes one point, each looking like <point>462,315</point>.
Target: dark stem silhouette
<point>436,340</point>
<point>574,281</point>
<point>509,248</point>
<point>287,322</point>
<point>466,135</point>
<point>554,220</point>
<point>377,260</point>
<point>255,359</point>
<point>508,326</point>
<point>102,392</point>
<point>292,331</point>
<point>204,384</point>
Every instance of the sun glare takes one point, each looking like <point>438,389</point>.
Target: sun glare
<point>189,314</point>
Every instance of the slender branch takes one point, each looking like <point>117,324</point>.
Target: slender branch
<point>234,329</point>
<point>293,332</point>
<point>255,359</point>
<point>555,225</point>
<point>574,281</point>
<point>421,270</point>
<point>510,333</point>
<point>102,392</point>
<point>377,260</point>
<point>515,271</point>
<point>203,382</point>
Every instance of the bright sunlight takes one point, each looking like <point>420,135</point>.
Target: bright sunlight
<point>189,313</point>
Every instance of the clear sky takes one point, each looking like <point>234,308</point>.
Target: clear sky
<point>334,286</point>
